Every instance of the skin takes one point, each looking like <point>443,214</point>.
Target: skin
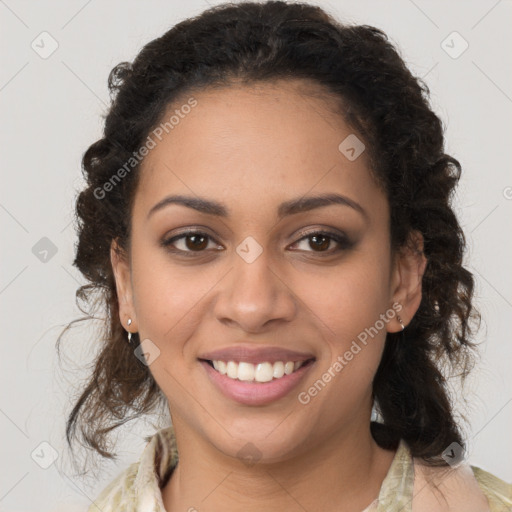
<point>252,148</point>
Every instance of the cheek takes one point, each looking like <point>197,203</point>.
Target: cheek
<point>168,298</point>
<point>347,306</point>
<point>349,297</point>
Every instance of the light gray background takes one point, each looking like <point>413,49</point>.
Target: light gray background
<point>51,112</point>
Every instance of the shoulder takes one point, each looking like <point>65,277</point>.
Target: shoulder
<point>497,491</point>
<point>447,488</point>
<point>138,486</point>
<point>119,494</point>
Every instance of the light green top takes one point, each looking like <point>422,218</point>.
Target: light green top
<point>138,488</point>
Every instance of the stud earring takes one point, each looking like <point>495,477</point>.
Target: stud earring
<point>401,323</point>
<point>129,333</point>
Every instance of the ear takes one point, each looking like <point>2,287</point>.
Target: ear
<point>121,269</point>
<point>407,274</point>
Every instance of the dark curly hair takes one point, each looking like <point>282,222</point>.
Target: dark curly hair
<point>386,105</point>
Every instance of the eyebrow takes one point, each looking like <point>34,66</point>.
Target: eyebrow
<point>291,207</point>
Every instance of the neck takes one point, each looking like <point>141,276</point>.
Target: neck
<point>343,472</point>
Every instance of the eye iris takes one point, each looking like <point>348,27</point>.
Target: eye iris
<point>198,242</point>
<point>322,245</point>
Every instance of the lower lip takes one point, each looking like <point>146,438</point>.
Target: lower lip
<point>256,393</point>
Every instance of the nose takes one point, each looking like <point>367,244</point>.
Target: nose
<point>255,296</point>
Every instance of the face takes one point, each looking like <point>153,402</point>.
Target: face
<point>260,271</point>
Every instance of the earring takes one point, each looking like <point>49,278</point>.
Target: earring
<point>129,333</point>
<point>401,323</point>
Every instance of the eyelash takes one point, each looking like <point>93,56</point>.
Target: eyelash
<point>343,242</point>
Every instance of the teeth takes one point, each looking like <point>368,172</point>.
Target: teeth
<point>278,369</point>
<point>261,372</point>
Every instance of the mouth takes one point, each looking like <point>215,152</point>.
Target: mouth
<point>260,372</point>
<point>256,384</point>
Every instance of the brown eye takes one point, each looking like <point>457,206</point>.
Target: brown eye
<point>188,242</point>
<point>196,242</point>
<point>321,241</point>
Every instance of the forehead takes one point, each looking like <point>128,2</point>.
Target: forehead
<point>253,146</point>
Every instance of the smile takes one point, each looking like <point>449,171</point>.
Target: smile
<point>256,384</point>
<point>261,372</point>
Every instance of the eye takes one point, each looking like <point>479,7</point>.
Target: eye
<point>320,241</point>
<point>193,241</point>
<point>188,242</point>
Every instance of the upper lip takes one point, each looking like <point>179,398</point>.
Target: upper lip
<point>252,354</point>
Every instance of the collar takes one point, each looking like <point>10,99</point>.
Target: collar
<point>409,485</point>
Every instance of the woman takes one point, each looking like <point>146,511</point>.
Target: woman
<point>268,216</point>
